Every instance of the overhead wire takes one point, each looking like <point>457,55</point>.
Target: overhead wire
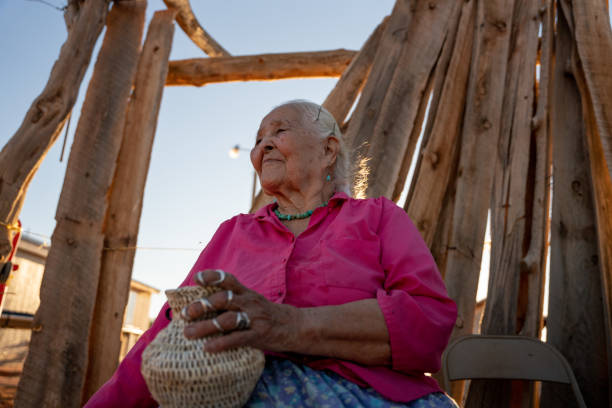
<point>125,248</point>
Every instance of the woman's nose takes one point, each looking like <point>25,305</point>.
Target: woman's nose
<point>267,144</point>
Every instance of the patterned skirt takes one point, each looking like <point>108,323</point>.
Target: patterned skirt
<point>287,384</point>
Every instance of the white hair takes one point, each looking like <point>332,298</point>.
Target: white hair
<point>323,123</point>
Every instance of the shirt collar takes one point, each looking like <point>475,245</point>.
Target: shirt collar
<point>266,210</point>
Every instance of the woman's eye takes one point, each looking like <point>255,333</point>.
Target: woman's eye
<point>257,142</point>
<point>280,130</point>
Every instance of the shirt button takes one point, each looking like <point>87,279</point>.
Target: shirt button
<point>284,259</point>
<point>280,293</point>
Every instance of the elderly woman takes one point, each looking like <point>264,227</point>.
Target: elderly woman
<point>342,294</point>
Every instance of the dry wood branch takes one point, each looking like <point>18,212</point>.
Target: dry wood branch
<point>512,189</point>
<point>125,202</point>
<point>575,322</point>
<point>341,98</point>
<point>534,262</point>
<point>388,107</point>
<point>594,45</point>
<point>190,24</point>
<point>55,368</point>
<point>71,13</point>
<point>263,67</point>
<point>438,161</point>
<point>22,155</point>
<point>479,137</point>
<point>512,182</point>
<point>590,63</point>
<point>597,129</point>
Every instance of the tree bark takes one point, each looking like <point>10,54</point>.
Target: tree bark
<point>55,368</point>
<point>263,67</point>
<point>480,133</point>
<point>387,110</point>
<point>593,47</point>
<point>341,98</point>
<point>534,261</point>
<point>125,202</point>
<point>512,192</point>
<point>191,26</point>
<point>593,39</point>
<point>441,140</point>
<point>24,152</point>
<point>575,322</point>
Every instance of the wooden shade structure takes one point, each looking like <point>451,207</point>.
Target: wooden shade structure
<point>510,102</point>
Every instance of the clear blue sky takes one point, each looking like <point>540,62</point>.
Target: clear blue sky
<point>192,185</point>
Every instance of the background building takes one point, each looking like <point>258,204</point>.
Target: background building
<point>21,302</point>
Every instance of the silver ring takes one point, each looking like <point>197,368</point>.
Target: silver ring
<point>217,325</point>
<point>221,277</point>
<point>206,305</point>
<point>198,278</point>
<point>242,321</point>
<point>230,296</point>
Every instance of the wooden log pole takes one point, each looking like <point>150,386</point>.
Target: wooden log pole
<point>191,26</point>
<point>512,192</point>
<point>477,157</point>
<point>534,262</point>
<point>429,105</point>
<point>263,67</point>
<point>54,371</point>
<point>593,47</point>
<point>593,38</point>
<point>512,182</point>
<point>21,157</point>
<point>388,108</point>
<point>125,202</point>
<point>439,150</point>
<point>480,133</point>
<point>381,73</point>
<point>575,323</point>
<point>341,98</point>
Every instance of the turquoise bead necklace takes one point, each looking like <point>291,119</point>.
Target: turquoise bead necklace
<point>289,217</point>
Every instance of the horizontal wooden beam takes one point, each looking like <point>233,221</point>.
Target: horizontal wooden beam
<point>262,67</point>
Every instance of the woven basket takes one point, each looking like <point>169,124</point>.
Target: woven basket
<point>179,373</point>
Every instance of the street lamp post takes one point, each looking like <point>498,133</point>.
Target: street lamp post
<point>234,152</point>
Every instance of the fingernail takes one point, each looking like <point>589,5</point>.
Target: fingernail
<point>184,314</point>
<point>198,277</point>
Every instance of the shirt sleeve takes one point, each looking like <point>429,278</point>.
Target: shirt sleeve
<point>127,388</point>
<point>416,307</point>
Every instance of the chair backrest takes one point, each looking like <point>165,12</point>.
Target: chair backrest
<point>506,357</point>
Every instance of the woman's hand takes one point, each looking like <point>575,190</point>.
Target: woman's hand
<point>272,327</point>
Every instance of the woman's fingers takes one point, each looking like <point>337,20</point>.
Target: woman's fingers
<point>220,301</point>
<point>230,341</point>
<point>220,278</point>
<point>225,322</point>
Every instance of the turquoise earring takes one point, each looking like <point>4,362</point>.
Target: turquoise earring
<point>328,178</point>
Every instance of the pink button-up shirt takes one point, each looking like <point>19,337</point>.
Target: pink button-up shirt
<point>352,250</point>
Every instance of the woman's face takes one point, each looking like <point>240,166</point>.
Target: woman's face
<point>287,154</point>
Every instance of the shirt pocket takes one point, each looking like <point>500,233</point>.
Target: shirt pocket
<point>352,264</point>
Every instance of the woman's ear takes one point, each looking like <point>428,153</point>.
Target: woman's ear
<point>332,147</point>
